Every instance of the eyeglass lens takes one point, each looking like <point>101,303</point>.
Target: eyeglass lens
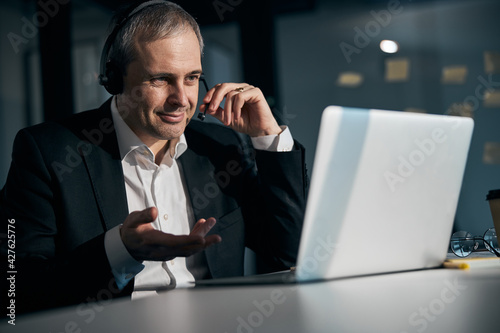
<point>490,239</point>
<point>462,243</point>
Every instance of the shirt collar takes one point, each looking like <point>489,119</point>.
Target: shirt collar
<point>128,141</point>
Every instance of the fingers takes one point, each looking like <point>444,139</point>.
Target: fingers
<point>146,243</point>
<point>211,240</point>
<point>137,218</point>
<point>196,241</point>
<point>202,227</point>
<point>245,110</point>
<point>162,246</point>
<point>160,238</point>
<point>235,94</point>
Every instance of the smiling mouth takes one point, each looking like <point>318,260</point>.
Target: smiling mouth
<point>174,117</point>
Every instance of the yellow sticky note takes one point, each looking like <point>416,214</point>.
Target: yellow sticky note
<point>415,110</point>
<point>397,69</point>
<point>454,74</point>
<point>349,79</point>
<point>461,109</point>
<point>491,153</point>
<point>492,62</point>
<point>491,98</point>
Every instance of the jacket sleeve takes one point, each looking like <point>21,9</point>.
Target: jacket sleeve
<point>50,272</point>
<point>274,208</point>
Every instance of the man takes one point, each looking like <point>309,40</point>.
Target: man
<point>134,197</point>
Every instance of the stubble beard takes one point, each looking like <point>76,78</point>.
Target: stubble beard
<point>167,131</point>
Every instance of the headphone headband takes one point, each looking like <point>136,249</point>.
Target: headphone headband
<point>107,75</point>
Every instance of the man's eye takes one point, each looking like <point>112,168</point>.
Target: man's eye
<point>193,78</point>
<point>159,81</point>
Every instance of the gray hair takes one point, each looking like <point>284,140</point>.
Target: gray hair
<point>151,23</point>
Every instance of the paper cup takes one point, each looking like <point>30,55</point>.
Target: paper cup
<point>493,198</point>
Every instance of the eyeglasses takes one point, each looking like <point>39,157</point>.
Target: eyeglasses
<point>463,243</point>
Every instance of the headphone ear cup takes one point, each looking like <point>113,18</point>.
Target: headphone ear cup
<point>114,84</point>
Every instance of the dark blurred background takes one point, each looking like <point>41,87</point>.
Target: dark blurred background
<point>304,55</point>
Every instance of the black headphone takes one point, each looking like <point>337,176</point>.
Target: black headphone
<point>110,75</point>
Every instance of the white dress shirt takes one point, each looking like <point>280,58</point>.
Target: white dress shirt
<point>162,186</point>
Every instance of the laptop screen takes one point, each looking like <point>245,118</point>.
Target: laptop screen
<point>384,191</point>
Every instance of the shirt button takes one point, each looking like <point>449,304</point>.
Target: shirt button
<point>172,262</point>
<point>165,217</point>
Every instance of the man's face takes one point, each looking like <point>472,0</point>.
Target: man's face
<point>161,87</point>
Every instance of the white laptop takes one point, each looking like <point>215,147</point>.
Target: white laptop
<point>383,194</point>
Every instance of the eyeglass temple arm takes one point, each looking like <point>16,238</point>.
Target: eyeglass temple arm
<point>494,251</point>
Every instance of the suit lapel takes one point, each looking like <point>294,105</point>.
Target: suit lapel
<point>198,172</point>
<point>106,175</point>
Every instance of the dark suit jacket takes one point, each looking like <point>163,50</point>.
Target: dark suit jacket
<point>65,189</point>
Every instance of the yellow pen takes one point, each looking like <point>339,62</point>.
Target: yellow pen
<point>456,265</point>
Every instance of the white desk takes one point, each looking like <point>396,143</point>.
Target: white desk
<point>441,300</point>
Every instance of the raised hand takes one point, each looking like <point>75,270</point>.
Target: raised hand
<point>146,243</point>
<point>245,109</point>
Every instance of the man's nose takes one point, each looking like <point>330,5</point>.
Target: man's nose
<point>177,95</point>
